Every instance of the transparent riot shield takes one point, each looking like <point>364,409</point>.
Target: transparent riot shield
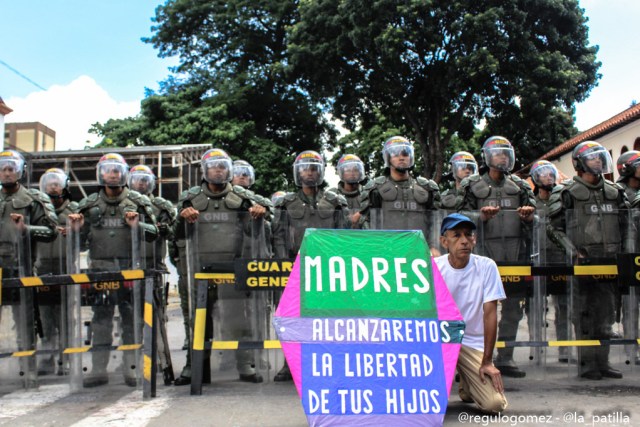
<point>225,316</point>
<point>109,312</point>
<point>508,240</point>
<point>427,221</point>
<point>629,286</point>
<point>598,231</point>
<point>18,310</point>
<point>50,309</point>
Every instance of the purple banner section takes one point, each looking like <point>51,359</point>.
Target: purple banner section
<point>420,420</point>
<point>367,330</point>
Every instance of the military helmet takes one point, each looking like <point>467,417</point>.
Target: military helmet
<point>395,146</point>
<point>142,179</point>
<point>308,169</point>
<point>217,167</point>
<point>590,156</point>
<point>350,169</point>
<point>54,182</point>
<point>11,167</point>
<point>628,163</point>
<point>496,146</point>
<point>244,173</point>
<point>463,164</point>
<point>544,174</point>
<point>112,170</point>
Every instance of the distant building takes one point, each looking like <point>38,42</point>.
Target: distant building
<point>31,137</point>
<point>4,110</point>
<point>618,134</point>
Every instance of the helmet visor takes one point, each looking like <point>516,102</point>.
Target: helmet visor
<point>244,175</point>
<point>308,173</point>
<point>500,158</point>
<point>545,176</point>
<point>463,168</point>
<point>10,170</point>
<point>53,183</point>
<point>112,174</point>
<point>217,170</point>
<point>351,172</point>
<point>400,156</point>
<point>596,161</point>
<point>142,182</point>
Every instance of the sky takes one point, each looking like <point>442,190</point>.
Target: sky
<point>86,62</point>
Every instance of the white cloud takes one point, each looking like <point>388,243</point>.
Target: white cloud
<point>70,111</point>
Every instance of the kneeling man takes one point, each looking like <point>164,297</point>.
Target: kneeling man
<point>476,287</point>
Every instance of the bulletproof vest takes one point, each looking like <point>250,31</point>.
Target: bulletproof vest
<point>630,192</point>
<point>110,240</point>
<point>52,256</point>
<point>404,205</point>
<point>303,215</point>
<point>155,252</point>
<point>550,252</point>
<point>11,248</point>
<point>500,238</point>
<point>593,224</point>
<point>221,224</point>
<point>352,197</point>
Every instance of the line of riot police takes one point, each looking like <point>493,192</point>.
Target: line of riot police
<point>586,220</point>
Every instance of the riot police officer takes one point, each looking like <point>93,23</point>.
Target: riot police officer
<point>351,173</point>
<point>397,200</point>
<point>107,221</point>
<point>628,165</point>
<point>589,221</point>
<point>310,206</point>
<point>226,237</point>
<point>545,176</point>
<point>51,259</point>
<point>463,165</point>
<point>504,206</point>
<point>27,218</point>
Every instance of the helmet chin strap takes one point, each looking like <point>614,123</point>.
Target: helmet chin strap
<point>10,186</point>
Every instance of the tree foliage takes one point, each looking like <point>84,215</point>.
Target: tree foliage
<point>440,67</point>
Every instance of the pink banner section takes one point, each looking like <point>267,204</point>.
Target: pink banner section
<point>290,301</point>
<point>447,309</point>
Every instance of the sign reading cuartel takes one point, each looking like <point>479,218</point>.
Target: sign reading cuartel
<point>369,330</point>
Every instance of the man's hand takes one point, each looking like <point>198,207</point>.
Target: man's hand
<point>131,218</point>
<point>494,374</point>
<point>76,221</point>
<point>355,219</point>
<point>62,230</point>
<point>18,220</point>
<point>257,211</point>
<point>526,213</point>
<point>190,214</point>
<point>488,212</point>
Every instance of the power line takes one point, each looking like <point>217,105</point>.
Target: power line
<point>21,75</point>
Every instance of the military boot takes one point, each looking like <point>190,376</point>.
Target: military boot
<point>284,374</point>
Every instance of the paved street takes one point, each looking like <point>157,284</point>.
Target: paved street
<point>555,397</point>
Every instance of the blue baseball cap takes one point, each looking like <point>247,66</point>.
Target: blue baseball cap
<point>453,220</point>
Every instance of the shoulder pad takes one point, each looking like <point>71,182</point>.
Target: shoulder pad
<point>88,201</point>
<point>241,190</point>
<point>195,190</point>
<point>555,199</point>
<point>139,198</point>
<point>521,182</point>
<point>330,195</point>
<point>289,197</point>
<point>380,179</point>
<point>334,189</point>
<point>73,207</point>
<point>38,195</point>
<point>369,185</point>
<point>428,183</point>
<point>162,203</point>
<point>466,182</point>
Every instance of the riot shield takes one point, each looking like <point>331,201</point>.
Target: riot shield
<point>629,283</point>
<point>508,240</point>
<point>18,310</point>
<point>428,221</point>
<point>226,317</point>
<point>598,232</point>
<point>106,317</point>
<point>51,312</point>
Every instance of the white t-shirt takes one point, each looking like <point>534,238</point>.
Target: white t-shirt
<point>472,286</point>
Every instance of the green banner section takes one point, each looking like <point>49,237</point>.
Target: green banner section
<point>366,272</point>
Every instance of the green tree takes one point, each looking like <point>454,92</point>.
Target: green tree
<point>237,50</point>
<point>440,67</point>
